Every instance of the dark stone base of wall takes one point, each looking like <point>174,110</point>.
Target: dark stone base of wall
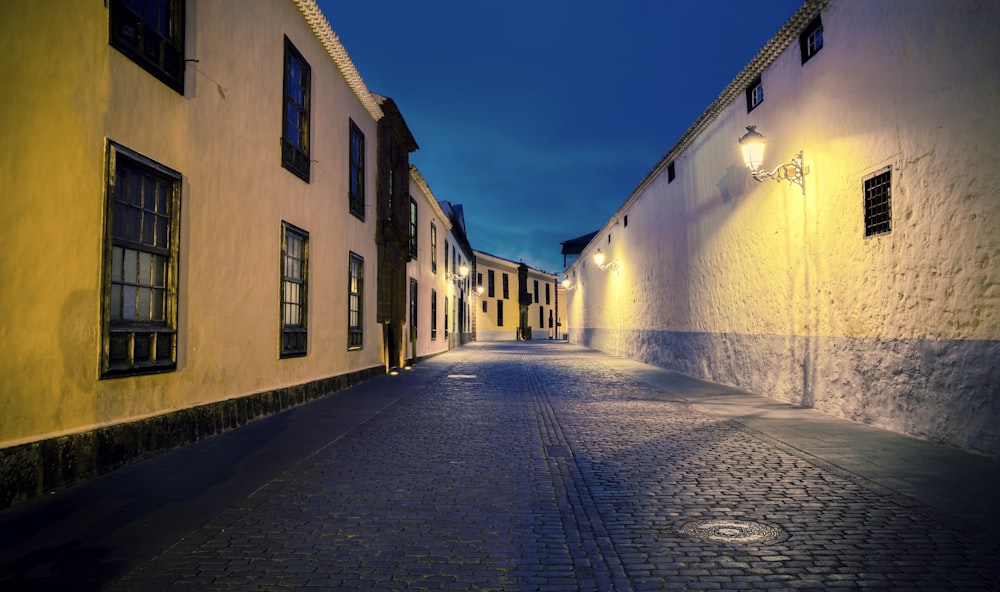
<point>37,468</point>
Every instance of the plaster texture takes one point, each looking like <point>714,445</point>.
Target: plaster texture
<point>776,289</point>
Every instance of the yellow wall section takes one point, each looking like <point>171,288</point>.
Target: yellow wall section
<point>72,92</point>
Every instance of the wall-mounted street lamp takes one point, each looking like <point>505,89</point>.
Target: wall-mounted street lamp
<point>599,260</point>
<point>752,147</point>
<point>567,285</point>
<point>463,271</point>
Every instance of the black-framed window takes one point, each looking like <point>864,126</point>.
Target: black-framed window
<point>548,294</point>
<point>506,287</point>
<point>413,308</point>
<point>878,202</point>
<point>499,313</point>
<point>413,228</point>
<point>491,283</point>
<point>434,314</point>
<point>811,39</point>
<point>755,94</point>
<point>139,304</point>
<point>356,191</point>
<point>295,117</point>
<point>151,34</point>
<point>536,291</point>
<point>541,317</point>
<point>355,302</point>
<point>484,305</point>
<point>294,290</point>
<point>671,174</point>
<point>446,311</point>
<point>434,248</point>
<point>446,247</point>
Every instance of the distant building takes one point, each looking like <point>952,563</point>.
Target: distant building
<point>517,302</point>
<point>459,258</point>
<point>206,223</point>
<point>438,291</point>
<point>872,291</point>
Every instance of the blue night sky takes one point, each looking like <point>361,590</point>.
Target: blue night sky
<point>541,117</point>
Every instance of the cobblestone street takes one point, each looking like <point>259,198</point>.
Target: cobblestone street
<point>537,467</point>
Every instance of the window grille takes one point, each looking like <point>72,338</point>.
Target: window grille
<point>878,203</point>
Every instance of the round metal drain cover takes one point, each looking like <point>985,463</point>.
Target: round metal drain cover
<point>733,531</point>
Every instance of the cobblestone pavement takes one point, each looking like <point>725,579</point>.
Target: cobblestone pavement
<point>535,467</point>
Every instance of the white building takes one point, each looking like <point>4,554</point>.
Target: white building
<point>871,291</point>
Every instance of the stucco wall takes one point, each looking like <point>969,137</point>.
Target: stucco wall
<point>755,285</point>
<point>68,92</point>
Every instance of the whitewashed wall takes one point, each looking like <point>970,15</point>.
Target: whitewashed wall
<point>755,285</point>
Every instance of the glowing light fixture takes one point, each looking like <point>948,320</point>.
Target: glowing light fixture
<point>752,146</point>
<point>599,258</point>
<point>567,285</point>
<point>463,270</point>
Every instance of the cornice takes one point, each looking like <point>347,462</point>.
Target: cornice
<point>335,49</point>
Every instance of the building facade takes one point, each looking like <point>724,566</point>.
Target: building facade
<point>871,291</point>
<point>436,286</point>
<point>188,195</point>
<point>517,302</point>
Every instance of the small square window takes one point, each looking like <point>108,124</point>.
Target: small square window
<point>878,202</point>
<point>755,94</point>
<point>811,39</point>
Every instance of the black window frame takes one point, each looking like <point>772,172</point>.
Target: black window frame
<point>434,314</point>
<point>294,336</point>
<point>132,345</point>
<point>356,168</point>
<point>159,52</point>
<point>491,283</point>
<point>295,151</point>
<point>413,309</point>
<point>355,301</point>
<point>413,228</point>
<point>434,242</point>
<point>808,45</point>
<point>506,287</point>
<point>751,93</point>
<point>877,191</point>
<point>499,313</point>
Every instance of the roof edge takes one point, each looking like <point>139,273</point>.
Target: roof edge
<point>335,49</point>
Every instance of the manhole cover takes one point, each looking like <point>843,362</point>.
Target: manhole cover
<point>733,531</point>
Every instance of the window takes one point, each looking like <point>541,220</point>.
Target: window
<point>446,309</point>
<point>446,257</point>
<point>671,171</point>
<point>151,34</point>
<point>506,287</point>
<point>413,228</point>
<point>878,202</point>
<point>541,317</point>
<point>548,298</point>
<point>484,305</point>
<point>139,327</point>
<point>294,274</point>
<point>355,302</point>
<point>491,286</point>
<point>434,248</point>
<point>536,291</point>
<point>811,39</point>
<point>499,313</point>
<point>434,314</point>
<point>479,280</point>
<point>295,130</point>
<point>755,94</point>
<point>356,192</point>
<point>413,309</point>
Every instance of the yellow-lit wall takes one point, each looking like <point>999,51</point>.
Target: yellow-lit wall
<point>67,92</point>
<point>487,328</point>
<point>759,286</point>
<point>429,279</point>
